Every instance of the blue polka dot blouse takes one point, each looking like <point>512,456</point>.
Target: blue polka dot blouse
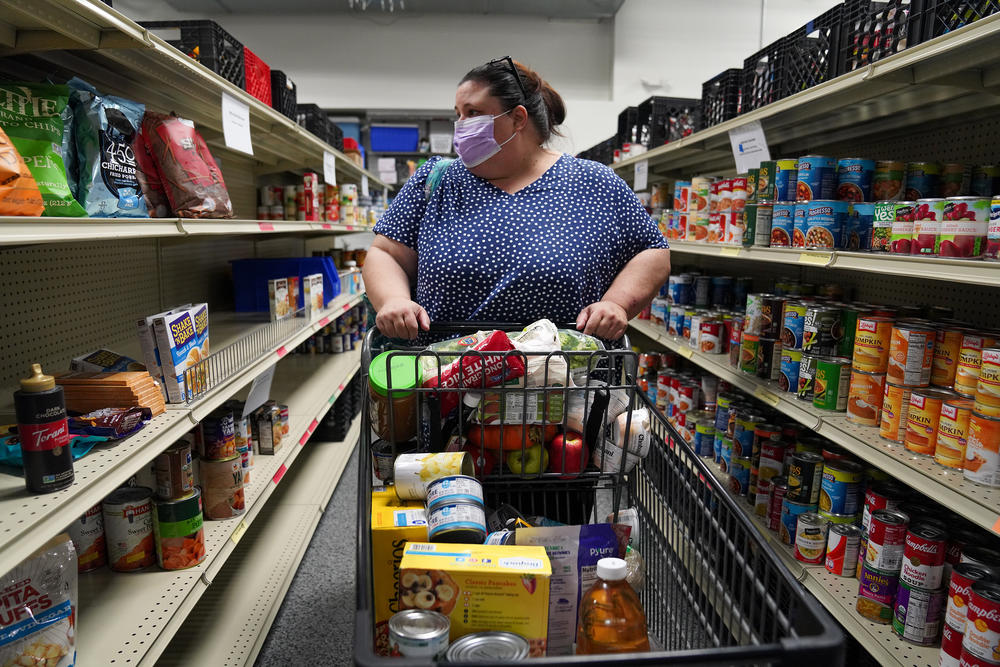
<point>548,250</point>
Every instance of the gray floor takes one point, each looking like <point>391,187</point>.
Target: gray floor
<point>315,625</point>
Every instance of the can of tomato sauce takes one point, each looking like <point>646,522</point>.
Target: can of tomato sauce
<point>895,406</point>
<point>87,534</point>
<point>911,354</point>
<point>178,528</point>
<point>864,398</point>
<point>128,528</point>
<point>901,233</point>
<point>886,495</point>
<point>987,399</point>
<point>222,488</point>
<point>928,214</point>
<point>970,361</point>
<point>953,432</point>
<point>947,347</point>
<point>965,227</point>
<point>982,627</point>
<point>886,540</point>
<point>982,451</point>
<point>922,418</point>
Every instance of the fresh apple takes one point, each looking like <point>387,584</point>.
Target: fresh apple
<point>568,454</point>
<point>489,461</point>
<point>531,462</point>
<point>508,438</point>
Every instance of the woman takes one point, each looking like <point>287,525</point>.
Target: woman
<point>513,231</point>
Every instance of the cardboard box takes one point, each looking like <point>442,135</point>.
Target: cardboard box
<point>480,588</point>
<point>277,298</point>
<point>105,360</point>
<point>147,343</point>
<point>314,293</point>
<point>394,523</point>
<point>182,340</point>
<point>293,294</point>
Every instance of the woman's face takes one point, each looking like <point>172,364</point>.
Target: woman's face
<point>473,99</point>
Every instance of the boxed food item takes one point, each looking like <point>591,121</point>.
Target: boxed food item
<point>147,343</point>
<point>266,422</point>
<point>293,294</point>
<point>182,341</point>
<point>500,588</point>
<point>277,296</point>
<point>394,523</point>
<point>105,360</point>
<point>313,284</point>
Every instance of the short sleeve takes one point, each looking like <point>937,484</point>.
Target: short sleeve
<point>638,230</point>
<point>401,221</point>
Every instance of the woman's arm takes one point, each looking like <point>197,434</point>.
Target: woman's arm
<point>390,268</point>
<point>632,290</point>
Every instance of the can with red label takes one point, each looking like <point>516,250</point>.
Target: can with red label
<point>980,556</point>
<point>917,614</point>
<point>982,627</point>
<point>776,495</point>
<point>923,557</point>
<point>963,576</point>
<point>87,534</point>
<point>842,548</point>
<point>128,528</point>
<point>886,540</point>
<point>882,496</point>
<point>951,646</point>
<point>710,338</point>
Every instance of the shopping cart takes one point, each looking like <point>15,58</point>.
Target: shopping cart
<point>714,593</point>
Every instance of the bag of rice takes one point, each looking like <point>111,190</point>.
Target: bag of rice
<point>104,131</point>
<point>38,608</point>
<point>19,193</point>
<point>32,116</point>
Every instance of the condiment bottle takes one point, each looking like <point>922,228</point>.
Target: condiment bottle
<point>44,433</point>
<point>611,616</point>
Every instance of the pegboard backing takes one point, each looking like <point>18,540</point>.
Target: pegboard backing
<point>277,246</point>
<point>197,270</point>
<point>238,172</point>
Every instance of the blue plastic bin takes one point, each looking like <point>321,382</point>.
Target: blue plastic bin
<point>394,138</point>
<point>250,278</point>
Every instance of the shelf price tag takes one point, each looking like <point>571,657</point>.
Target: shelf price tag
<point>730,252</point>
<point>281,473</point>
<point>238,533</point>
<point>265,226</point>
<point>641,176</point>
<point>749,146</point>
<point>304,439</point>
<point>236,124</point>
<point>323,322</point>
<point>767,396</point>
<point>364,186</point>
<point>260,391</point>
<point>817,258</point>
<point>686,352</point>
<point>329,168</point>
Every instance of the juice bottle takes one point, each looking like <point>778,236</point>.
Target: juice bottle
<point>611,616</point>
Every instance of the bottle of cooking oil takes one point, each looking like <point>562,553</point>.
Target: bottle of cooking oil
<point>611,616</point>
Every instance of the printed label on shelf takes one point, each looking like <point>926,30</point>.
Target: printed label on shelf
<point>749,146</point>
<point>996,526</point>
<point>641,176</point>
<point>236,124</point>
<point>327,225</point>
<point>730,252</point>
<point>265,226</point>
<point>312,426</point>
<point>819,258</point>
<point>364,185</point>
<point>238,533</point>
<point>768,397</point>
<point>260,391</point>
<point>329,168</point>
<point>281,351</point>
<point>281,473</point>
<point>349,228</point>
<point>686,352</point>
<point>304,439</point>
<point>323,322</point>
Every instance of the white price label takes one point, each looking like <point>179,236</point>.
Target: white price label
<point>236,124</point>
<point>364,185</point>
<point>329,168</point>
<point>641,180</point>
<point>260,391</point>
<point>749,146</point>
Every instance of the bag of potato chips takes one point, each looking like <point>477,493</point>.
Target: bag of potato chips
<point>19,193</point>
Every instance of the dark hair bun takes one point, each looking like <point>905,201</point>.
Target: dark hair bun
<point>555,108</point>
<point>545,107</point>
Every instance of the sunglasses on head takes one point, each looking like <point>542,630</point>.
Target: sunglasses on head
<point>513,69</point>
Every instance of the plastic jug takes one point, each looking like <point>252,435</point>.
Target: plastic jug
<point>611,616</point>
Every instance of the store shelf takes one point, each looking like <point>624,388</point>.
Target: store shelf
<point>952,74</point>
<point>977,503</point>
<point>967,272</point>
<point>103,46</point>
<point>129,619</point>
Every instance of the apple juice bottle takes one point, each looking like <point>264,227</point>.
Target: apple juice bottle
<point>611,616</point>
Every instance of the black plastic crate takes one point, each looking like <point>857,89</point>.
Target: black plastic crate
<point>661,120</point>
<point>336,136</point>
<point>873,30</point>
<point>939,17</point>
<point>314,119</point>
<point>283,97</point>
<point>720,97</point>
<point>606,150</point>
<point>628,130</point>
<point>812,52</point>
<point>764,77</point>
<point>206,42</point>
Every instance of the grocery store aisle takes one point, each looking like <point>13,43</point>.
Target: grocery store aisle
<point>315,624</point>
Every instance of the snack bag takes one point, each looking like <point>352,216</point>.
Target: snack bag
<point>38,608</point>
<point>104,131</point>
<point>19,193</point>
<point>186,168</point>
<point>474,371</point>
<point>32,116</point>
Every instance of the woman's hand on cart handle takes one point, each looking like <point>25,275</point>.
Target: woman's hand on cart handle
<point>402,318</point>
<point>604,319</point>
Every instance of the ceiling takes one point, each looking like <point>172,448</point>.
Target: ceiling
<point>562,9</point>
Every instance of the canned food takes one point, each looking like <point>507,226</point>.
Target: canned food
<point>762,224</point>
<point>704,438</point>
<point>923,557</point>
<point>886,540</point>
<point>807,377</point>
<point>762,499</point>
<point>174,471</point>
<point>788,518</point>
<point>887,182</point>
<point>841,519</point>
<point>454,489</point>
<point>884,217</point>
<point>418,633</point>
<point>782,224</point>
<point>842,547</point>
<point>911,354</point>
<point>820,329</point>
<point>676,324</point>
<point>711,336</point>
<point>876,594</point>
<point>810,538</point>
<point>918,613</point>
<point>799,224</point>
<point>982,627</point>
<point>788,377</point>
<point>987,399</point>
<point>771,314</point>
<point>793,325</point>
<point>922,179</point>
<point>457,523</point>
<point>769,359</point>
<point>128,528</point>
<point>817,178</point>
<point>864,398</point>
<point>963,576</point>
<point>218,432</point>
<point>832,383</point>
<point>847,330</point>
<point>805,472</point>
<point>500,537</point>
<point>992,250</point>
<point>765,180</point>
<point>412,472</point>
<point>901,233</point>
<point>785,178</point>
<point>763,435</point>
<point>749,353</point>
<point>922,418</point>
<point>980,556</point>
<point>964,229</point>
<point>841,486</point>
<point>927,218</point>
<point>859,226</point>
<point>953,432</point>
<point>725,454</point>
<point>179,533</point>
<point>488,646</point>
<point>982,460</point>
<point>702,290</point>
<point>881,496</point>
<point>825,222</point>
<point>739,475</point>
<point>775,500</point>
<point>951,647</point>
<point>872,342</point>
<point>222,489</point>
<point>895,406</point>
<point>970,361</point>
<point>772,459</point>
<point>947,347</point>
<point>954,180</point>
<point>985,180</point>
<point>87,534</point>
<point>743,431</point>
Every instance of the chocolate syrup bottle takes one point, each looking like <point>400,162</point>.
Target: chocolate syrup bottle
<point>44,433</point>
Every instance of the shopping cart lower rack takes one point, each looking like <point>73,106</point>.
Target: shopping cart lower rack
<point>714,593</point>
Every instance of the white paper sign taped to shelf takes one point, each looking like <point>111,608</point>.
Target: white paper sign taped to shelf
<point>364,185</point>
<point>641,180</point>
<point>236,124</point>
<point>329,168</point>
<point>260,391</point>
<point>749,146</point>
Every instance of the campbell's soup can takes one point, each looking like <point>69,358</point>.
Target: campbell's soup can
<point>953,432</point>
<point>951,646</point>
<point>980,555</point>
<point>128,528</point>
<point>886,540</point>
<point>987,398</point>
<point>87,534</point>
<point>917,614</point>
<point>982,625</point>
<point>963,576</point>
<point>970,361</point>
<point>842,547</point>
<point>922,419</point>
<point>923,557</point>
<point>982,450</point>
<point>710,338</point>
<point>964,229</point>
<point>911,354</point>
<point>947,347</point>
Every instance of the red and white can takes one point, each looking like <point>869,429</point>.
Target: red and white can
<point>951,646</point>
<point>881,496</point>
<point>711,337</point>
<point>687,397</point>
<point>923,557</point>
<point>969,660</point>
<point>963,576</point>
<point>982,626</point>
<point>777,493</point>
<point>886,540</point>
<point>842,549</point>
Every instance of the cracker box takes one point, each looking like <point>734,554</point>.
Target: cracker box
<point>147,343</point>
<point>277,297</point>
<point>480,588</point>
<point>313,284</point>
<point>394,523</point>
<point>182,340</point>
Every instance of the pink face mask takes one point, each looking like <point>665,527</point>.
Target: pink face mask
<point>474,140</point>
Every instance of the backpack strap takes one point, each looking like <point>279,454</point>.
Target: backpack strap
<point>434,178</point>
